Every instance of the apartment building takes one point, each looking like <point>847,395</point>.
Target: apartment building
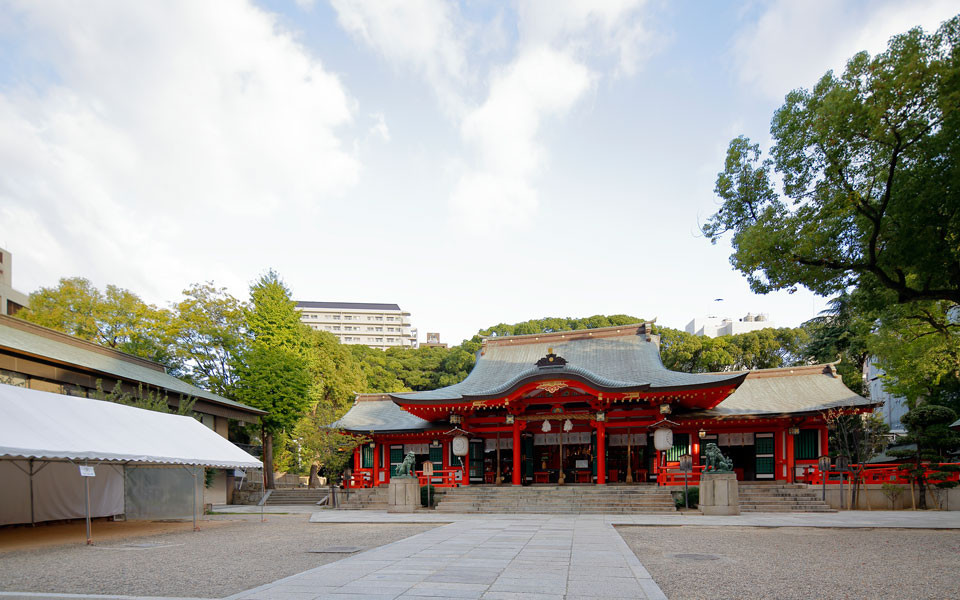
<point>715,327</point>
<point>376,325</point>
<point>10,299</point>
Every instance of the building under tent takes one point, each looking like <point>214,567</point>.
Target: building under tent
<point>146,464</point>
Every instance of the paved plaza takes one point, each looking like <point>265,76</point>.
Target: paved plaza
<point>534,557</point>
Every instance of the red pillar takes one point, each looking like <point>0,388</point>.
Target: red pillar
<point>824,442</point>
<point>601,453</point>
<point>517,467</point>
<point>695,448</point>
<point>385,454</point>
<point>376,464</point>
<point>791,462</point>
<point>778,462</point>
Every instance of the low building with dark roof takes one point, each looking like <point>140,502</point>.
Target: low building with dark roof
<point>582,406</point>
<point>44,359</point>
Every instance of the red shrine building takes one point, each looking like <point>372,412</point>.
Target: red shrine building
<point>582,407</point>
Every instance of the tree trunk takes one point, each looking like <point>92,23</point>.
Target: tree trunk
<point>314,479</point>
<point>921,481</point>
<point>268,459</point>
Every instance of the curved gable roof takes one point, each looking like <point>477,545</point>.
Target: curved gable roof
<point>615,359</point>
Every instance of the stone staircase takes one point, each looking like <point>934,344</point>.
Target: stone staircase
<point>364,499</point>
<point>780,497</point>
<point>571,499</point>
<point>283,496</point>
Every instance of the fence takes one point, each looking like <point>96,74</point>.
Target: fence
<point>872,474</point>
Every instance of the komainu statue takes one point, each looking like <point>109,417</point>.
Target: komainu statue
<point>406,468</point>
<point>715,461</point>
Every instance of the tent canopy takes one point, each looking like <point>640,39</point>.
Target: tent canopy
<point>47,426</point>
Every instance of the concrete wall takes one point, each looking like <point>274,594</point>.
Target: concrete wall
<point>873,494</point>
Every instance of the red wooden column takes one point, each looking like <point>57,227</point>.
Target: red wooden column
<point>466,467</point>
<point>385,454</point>
<point>824,442</point>
<point>517,467</point>
<point>601,453</point>
<point>791,462</point>
<point>778,453</point>
<point>376,464</point>
<point>695,447</point>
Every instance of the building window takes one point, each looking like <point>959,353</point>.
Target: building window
<point>805,444</point>
<point>379,339</point>
<point>335,317</point>
<point>389,318</point>
<point>379,318</point>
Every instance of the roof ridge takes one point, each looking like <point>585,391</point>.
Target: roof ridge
<point>573,334</point>
<point>66,338</point>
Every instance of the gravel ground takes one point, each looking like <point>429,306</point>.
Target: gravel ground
<point>798,562</point>
<point>212,563</point>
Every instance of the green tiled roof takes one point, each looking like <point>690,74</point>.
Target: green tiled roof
<point>788,390</point>
<point>380,416</point>
<point>627,362</point>
<point>53,345</point>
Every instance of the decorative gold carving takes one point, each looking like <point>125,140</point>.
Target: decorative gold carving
<point>551,386</point>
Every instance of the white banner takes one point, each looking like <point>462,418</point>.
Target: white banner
<point>723,439</point>
<point>539,439</point>
<point>748,439</point>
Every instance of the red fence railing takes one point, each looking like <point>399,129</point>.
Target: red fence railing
<point>442,478</point>
<point>872,474</point>
<point>674,476</point>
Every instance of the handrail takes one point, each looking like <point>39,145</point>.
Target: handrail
<point>674,476</point>
<point>447,478</point>
<point>876,473</point>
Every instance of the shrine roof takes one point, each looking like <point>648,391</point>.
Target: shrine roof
<point>805,389</point>
<point>377,413</point>
<point>611,359</point>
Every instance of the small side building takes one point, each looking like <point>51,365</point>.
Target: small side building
<point>40,358</point>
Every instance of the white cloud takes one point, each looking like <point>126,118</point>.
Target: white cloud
<point>162,124</point>
<point>589,28</point>
<point>379,127</point>
<point>558,55</point>
<point>503,134</point>
<point>793,44</point>
<point>425,35</point>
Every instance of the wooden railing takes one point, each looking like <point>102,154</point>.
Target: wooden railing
<point>442,478</point>
<point>872,474</point>
<point>674,476</point>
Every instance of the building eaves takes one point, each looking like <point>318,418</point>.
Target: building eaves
<point>19,336</point>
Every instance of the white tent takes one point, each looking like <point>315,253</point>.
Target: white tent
<point>40,429</point>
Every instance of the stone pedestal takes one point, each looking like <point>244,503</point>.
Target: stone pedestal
<point>403,495</point>
<point>719,494</point>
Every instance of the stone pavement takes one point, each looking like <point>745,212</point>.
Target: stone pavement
<point>515,556</point>
<point>539,558</point>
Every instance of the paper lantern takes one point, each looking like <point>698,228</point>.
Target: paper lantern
<point>663,439</point>
<point>461,446</point>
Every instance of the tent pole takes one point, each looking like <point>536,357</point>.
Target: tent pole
<point>195,528</point>
<point>86,489</point>
<point>33,520</point>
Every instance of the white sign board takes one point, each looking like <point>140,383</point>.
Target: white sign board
<point>428,468</point>
<point>86,471</point>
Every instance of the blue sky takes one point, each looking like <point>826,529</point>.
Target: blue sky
<point>475,162</point>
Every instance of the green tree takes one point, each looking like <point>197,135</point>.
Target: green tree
<point>278,381</point>
<point>208,331</point>
<point>919,350</point>
<point>115,318</point>
<point>928,429</point>
<point>843,332</point>
<point>869,163</point>
<point>273,373</point>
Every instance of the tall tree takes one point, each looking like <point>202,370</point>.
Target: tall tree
<point>116,318</point>
<point>842,331</point>
<point>208,331</point>
<point>870,163</point>
<point>274,372</point>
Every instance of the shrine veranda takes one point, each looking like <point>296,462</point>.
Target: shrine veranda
<point>536,409</point>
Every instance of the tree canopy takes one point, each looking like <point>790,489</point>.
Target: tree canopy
<point>870,166</point>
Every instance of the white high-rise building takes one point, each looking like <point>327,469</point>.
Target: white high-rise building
<point>715,326</point>
<point>376,325</point>
<point>10,299</point>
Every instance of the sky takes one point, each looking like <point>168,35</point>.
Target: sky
<point>474,162</point>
